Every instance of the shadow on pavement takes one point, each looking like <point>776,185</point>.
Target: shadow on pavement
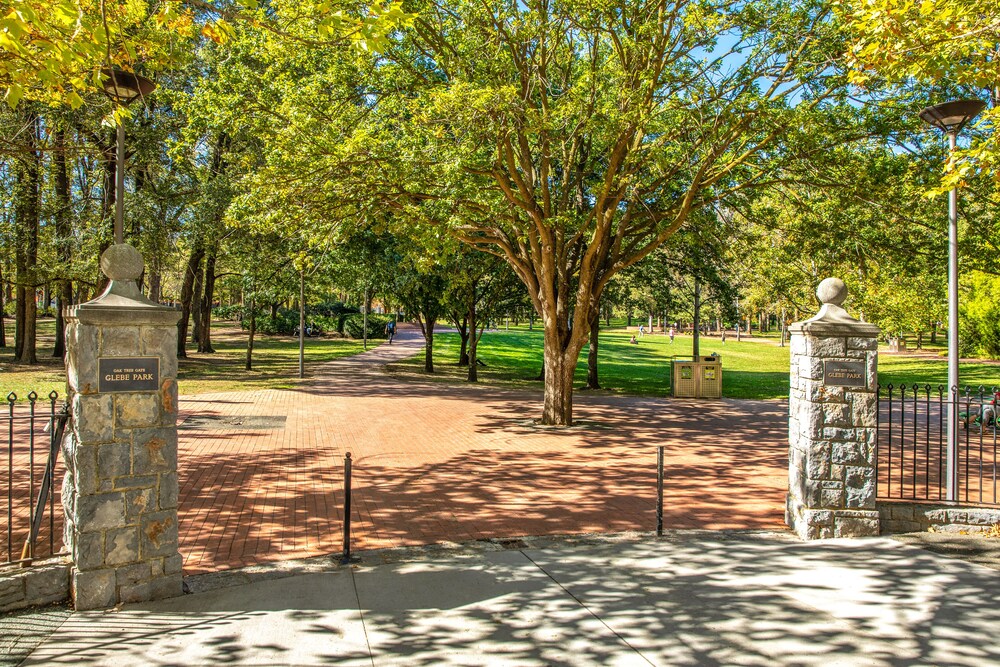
<point>683,600</point>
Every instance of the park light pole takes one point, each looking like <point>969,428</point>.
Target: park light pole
<point>950,118</point>
<point>123,88</point>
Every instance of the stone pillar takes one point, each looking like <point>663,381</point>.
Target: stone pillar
<point>833,416</point>
<point>120,489</point>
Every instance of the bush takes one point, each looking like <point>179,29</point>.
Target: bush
<point>328,316</point>
<point>234,312</point>
<point>330,309</point>
<point>325,323</point>
<point>285,323</point>
<point>354,326</point>
<point>980,336</point>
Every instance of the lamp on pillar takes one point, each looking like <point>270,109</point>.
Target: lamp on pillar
<point>123,88</point>
<point>950,118</point>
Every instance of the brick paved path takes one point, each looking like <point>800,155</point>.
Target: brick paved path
<point>261,471</point>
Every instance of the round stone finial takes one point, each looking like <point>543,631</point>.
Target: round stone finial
<point>832,290</point>
<point>122,262</point>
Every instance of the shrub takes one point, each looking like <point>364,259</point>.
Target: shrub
<point>330,309</point>
<point>234,312</point>
<point>285,323</point>
<point>354,326</point>
<point>980,334</point>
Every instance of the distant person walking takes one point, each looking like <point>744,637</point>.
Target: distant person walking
<point>673,332</point>
<point>390,330</point>
<point>642,330</point>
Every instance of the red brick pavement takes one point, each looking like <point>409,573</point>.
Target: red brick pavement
<point>438,462</point>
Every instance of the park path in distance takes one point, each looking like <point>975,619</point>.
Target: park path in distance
<point>261,472</point>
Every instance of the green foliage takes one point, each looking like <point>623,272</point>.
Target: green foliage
<point>53,50</point>
<point>234,312</point>
<point>284,323</point>
<point>750,370</point>
<point>980,316</point>
<point>354,326</point>
<point>937,43</point>
<point>329,309</point>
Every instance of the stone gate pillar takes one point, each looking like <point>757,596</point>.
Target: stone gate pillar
<point>832,421</point>
<point>120,489</point>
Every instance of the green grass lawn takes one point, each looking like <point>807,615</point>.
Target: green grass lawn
<point>754,368</point>
<point>276,362</point>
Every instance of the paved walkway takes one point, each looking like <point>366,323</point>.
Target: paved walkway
<point>261,471</point>
<point>688,599</point>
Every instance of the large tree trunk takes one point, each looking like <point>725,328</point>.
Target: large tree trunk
<point>473,375</point>
<point>695,350</point>
<point>26,221</point>
<point>63,240</point>
<point>565,336</point>
<point>3,330</point>
<point>595,326</point>
<point>196,305</point>
<point>783,316</point>
<point>427,328</point>
<point>205,330</point>
<point>560,366</point>
<point>155,283</point>
<point>187,296</point>
<point>251,334</point>
<point>462,325</point>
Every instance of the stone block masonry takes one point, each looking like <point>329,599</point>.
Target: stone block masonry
<point>45,582</point>
<point>832,422</point>
<point>909,517</point>
<point>120,489</point>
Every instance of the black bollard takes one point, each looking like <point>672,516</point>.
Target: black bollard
<point>347,509</point>
<point>659,491</point>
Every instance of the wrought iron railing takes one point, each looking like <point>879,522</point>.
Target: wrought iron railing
<point>912,457</point>
<point>33,434</point>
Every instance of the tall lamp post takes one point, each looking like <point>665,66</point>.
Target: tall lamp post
<point>950,118</point>
<point>123,88</point>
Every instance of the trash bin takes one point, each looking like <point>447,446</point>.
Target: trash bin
<point>699,377</point>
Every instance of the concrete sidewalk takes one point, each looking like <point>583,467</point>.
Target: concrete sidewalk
<point>691,598</point>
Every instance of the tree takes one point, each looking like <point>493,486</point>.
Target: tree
<point>54,50</point>
<point>27,218</point>
<point>421,288</point>
<point>480,287</point>
<point>937,43</point>
<point>589,136</point>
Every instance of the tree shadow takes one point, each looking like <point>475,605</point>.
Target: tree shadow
<point>698,599</point>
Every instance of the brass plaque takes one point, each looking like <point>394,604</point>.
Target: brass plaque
<point>844,373</point>
<point>128,374</point>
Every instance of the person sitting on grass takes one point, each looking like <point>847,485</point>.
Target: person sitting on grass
<point>634,341</point>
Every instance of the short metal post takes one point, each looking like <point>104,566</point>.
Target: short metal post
<point>659,490</point>
<point>347,509</point>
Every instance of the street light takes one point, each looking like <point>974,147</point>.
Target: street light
<point>123,88</point>
<point>950,118</point>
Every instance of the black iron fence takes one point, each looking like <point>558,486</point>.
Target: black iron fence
<point>912,456</point>
<point>33,433</point>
